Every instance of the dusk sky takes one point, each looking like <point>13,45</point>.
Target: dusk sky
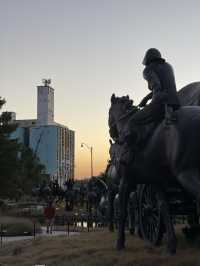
<point>90,49</point>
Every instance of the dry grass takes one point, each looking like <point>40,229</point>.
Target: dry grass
<point>94,249</point>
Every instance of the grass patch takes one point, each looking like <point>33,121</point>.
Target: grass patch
<point>95,249</point>
<point>15,226</point>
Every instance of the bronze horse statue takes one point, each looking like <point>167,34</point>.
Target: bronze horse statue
<point>113,180</point>
<point>169,155</point>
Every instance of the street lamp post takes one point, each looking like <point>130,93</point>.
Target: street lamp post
<point>91,155</point>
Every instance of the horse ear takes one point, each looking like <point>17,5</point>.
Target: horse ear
<point>127,96</point>
<point>113,98</point>
<point>131,102</point>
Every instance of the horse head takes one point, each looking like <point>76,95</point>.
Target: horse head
<point>120,108</point>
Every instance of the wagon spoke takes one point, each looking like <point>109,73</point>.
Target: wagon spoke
<point>150,218</point>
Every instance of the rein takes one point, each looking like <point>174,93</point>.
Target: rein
<point>126,115</point>
<point>123,117</point>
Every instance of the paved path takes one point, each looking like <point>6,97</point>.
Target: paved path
<point>55,233</point>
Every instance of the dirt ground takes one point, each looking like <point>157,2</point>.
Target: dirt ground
<point>95,249</point>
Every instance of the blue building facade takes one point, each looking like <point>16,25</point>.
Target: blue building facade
<point>19,134</point>
<point>43,141</point>
<point>53,145</point>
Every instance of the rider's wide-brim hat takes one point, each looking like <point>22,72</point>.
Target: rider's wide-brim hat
<point>151,55</point>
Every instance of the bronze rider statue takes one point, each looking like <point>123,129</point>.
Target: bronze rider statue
<point>161,82</point>
<point>164,100</point>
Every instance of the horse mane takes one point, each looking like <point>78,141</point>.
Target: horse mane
<point>129,107</point>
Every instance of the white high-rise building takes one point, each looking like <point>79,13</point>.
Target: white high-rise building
<point>53,143</point>
<point>45,104</point>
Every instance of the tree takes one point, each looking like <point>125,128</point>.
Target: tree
<point>32,172</point>
<point>9,151</point>
<point>20,168</point>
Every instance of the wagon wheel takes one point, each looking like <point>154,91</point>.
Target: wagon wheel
<point>150,220</point>
<point>133,214</point>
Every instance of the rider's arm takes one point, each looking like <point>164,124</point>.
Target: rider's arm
<point>145,99</point>
<point>151,77</point>
<point>154,84</point>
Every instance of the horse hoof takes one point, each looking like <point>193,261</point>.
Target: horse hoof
<point>120,245</point>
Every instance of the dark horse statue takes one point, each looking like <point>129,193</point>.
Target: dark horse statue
<point>113,180</point>
<point>169,155</point>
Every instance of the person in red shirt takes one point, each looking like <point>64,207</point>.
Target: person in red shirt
<point>49,213</point>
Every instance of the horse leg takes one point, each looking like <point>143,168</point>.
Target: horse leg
<point>111,197</point>
<point>123,202</point>
<point>48,226</point>
<point>165,214</point>
<point>51,226</point>
<point>190,180</point>
<point>131,219</point>
<point>89,210</point>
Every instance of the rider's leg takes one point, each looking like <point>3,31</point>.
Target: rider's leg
<point>47,225</point>
<point>168,114</point>
<point>132,206</point>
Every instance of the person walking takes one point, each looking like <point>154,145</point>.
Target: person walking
<point>49,213</point>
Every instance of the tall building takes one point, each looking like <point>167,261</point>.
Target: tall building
<point>53,143</point>
<point>45,103</point>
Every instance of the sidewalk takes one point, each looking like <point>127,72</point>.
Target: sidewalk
<point>55,233</point>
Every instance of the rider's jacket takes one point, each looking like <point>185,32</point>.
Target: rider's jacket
<point>161,81</point>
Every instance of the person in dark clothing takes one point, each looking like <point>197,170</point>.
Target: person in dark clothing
<point>161,81</point>
<point>49,213</point>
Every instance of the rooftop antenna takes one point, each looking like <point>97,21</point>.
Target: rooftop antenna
<point>46,82</point>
